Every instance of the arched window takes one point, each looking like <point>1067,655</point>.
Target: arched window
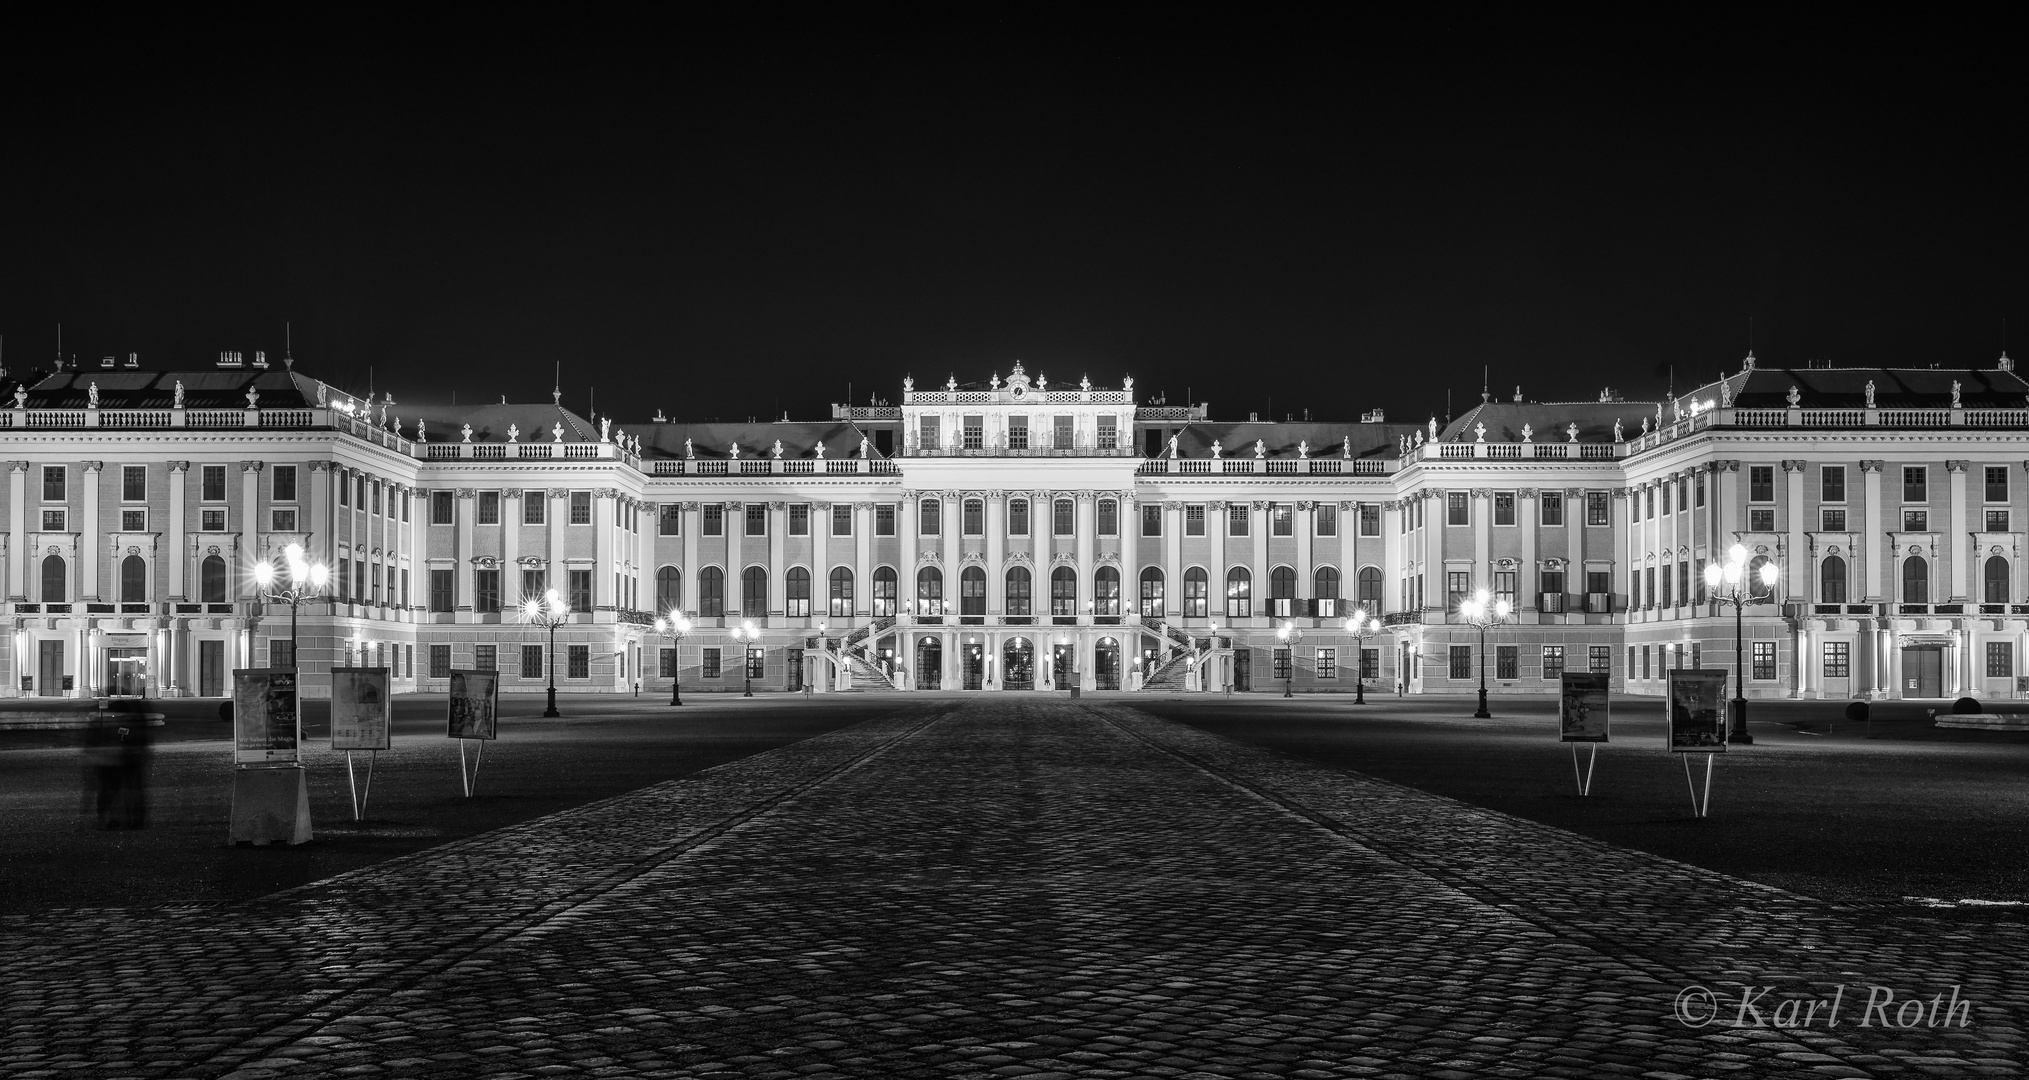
<point>1151,593</point>
<point>929,591</point>
<point>1282,591</point>
<point>211,580</point>
<point>1327,582</point>
<point>133,580</point>
<point>1370,589</point>
<point>841,593</point>
<point>55,579</point>
<point>1761,594</point>
<point>1106,591</point>
<point>1020,591</point>
<point>1915,580</point>
<point>1063,592</point>
<point>972,592</point>
<point>1197,589</point>
<point>886,582</point>
<point>1239,593</point>
<point>1997,580</point>
<point>668,589</point>
<point>1832,580</point>
<point>711,593</point>
<point>798,588</point>
<point>754,592</point>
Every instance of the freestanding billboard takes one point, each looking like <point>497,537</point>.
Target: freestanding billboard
<point>1697,700</point>
<point>1583,711</point>
<point>475,697</point>
<point>359,709</point>
<point>266,723</point>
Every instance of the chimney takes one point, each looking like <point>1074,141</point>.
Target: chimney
<point>260,359</point>
<point>133,359</point>
<point>106,363</point>
<point>228,359</point>
<point>1254,418</point>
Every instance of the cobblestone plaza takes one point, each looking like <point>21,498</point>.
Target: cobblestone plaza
<point>1003,886</point>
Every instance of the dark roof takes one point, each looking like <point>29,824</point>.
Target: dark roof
<point>1327,440</point>
<point>714,440</point>
<point>1894,388</point>
<point>533,422</point>
<point>217,388</point>
<point>1550,421</point>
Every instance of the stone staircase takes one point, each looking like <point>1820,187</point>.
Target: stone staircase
<point>1171,671</point>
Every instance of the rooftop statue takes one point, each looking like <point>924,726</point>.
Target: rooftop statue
<point>908,384</point>
<point>513,432</point>
<point>420,436</point>
<point>1215,449</point>
<point>557,431</point>
<point>1795,396</point>
<point>1870,393</point>
<point>1645,425</point>
<point>1348,451</point>
<point>687,451</point>
<point>1955,393</point>
<point>605,425</point>
<point>1527,434</point>
<point>1042,381</point>
<point>323,394</point>
<point>1085,383</point>
<point>1127,384</point>
<point>179,393</point>
<point>93,391</point>
<point>863,447</point>
<point>1172,446</point>
<point>820,449</point>
<point>253,399</point>
<point>1303,448</point>
<point>951,383</point>
<point>1616,430</point>
<point>1572,431</point>
<point>1480,430</point>
<point>467,432</point>
<point>1260,449</point>
<point>994,383</point>
<point>20,397</point>
<point>736,451</point>
<point>1433,429</point>
<point>776,450</point>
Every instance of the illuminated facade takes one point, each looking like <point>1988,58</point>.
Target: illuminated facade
<point>1019,535</point>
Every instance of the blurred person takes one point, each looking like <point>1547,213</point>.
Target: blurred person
<point>117,746</point>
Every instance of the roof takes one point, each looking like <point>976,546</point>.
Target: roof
<point>1550,421</point>
<point>1288,439</point>
<point>213,388</point>
<point>1846,388</point>
<point>490,423</point>
<point>714,440</point>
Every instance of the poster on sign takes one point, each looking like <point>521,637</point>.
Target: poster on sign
<point>1582,710</point>
<point>359,709</point>
<point>1697,702</point>
<point>267,726</point>
<point>475,696</point>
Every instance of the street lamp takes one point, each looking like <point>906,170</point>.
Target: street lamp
<point>1360,624</point>
<point>1289,635</point>
<point>298,581</point>
<point>1482,611</point>
<point>1732,584</point>
<point>676,626</point>
<point>745,632</point>
<point>548,610</point>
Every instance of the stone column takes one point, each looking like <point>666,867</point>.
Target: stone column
<point>510,546</point>
<point>1083,529</point>
<point>172,530</point>
<point>950,519</point>
<point>1394,561</point>
<point>1130,573</point>
<point>1303,522</point>
<point>1172,559</point>
<point>88,553</point>
<point>688,525</point>
<point>250,518</point>
<point>1798,572</point>
<point>1871,526</point>
<point>996,557</point>
<point>605,553</point>
<point>907,515</point>
<point>1257,536</point>
<point>1529,575</point>
<point>554,516</point>
<point>1215,562</point>
<point>778,566</point>
<point>863,560</point>
<point>1483,541</point>
<point>1952,548</point>
<point>17,534</point>
<point>1349,560</point>
<point>820,565</point>
<point>467,505</point>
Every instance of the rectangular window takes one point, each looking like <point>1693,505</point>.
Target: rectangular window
<point>1596,507</point>
<point>376,499</point>
<point>1282,663</point>
<point>1018,517</point>
<point>1461,661</point>
<point>799,519</point>
<point>1551,508</point>
<point>212,520</point>
<point>284,483</point>
<point>1602,659</point>
<point>841,519</point>
<point>580,583</point>
<point>580,660</point>
<point>534,503</point>
<point>884,519</point>
<point>1064,517</point>
<point>532,583</point>
<point>486,590</point>
<point>1281,519</point>
<point>1456,510</point>
<point>134,483</point>
<point>1236,519</point>
<point>1761,519</point>
<point>927,433</point>
<point>975,432</point>
<point>1553,661</point>
<point>283,519</point>
<point>531,661</point>
<point>756,656</point>
<point>1507,661</point>
<point>1194,521</point>
<point>1648,501</point>
<point>344,491</point>
<point>134,521</point>
<point>1838,659</point>
<point>440,661</point>
<point>1916,483</point>
<point>756,515</point>
<point>53,521</point>
<point>1370,663</point>
<point>1915,521</point>
<point>1370,519</point>
<point>1457,586</point>
<point>929,514</point>
<point>1553,582</point>
<point>1063,426</point>
<point>1109,433</point>
<point>211,483</point>
<point>443,585</point>
<point>1151,519</point>
<point>1504,508</point>
<point>2000,659</point>
<point>53,482</point>
<point>714,519</point>
<point>1764,659</point>
<point>1109,517</point>
<point>1761,483</point>
<point>489,508</point>
<point>668,520</point>
<point>1018,432</point>
<point>1645,661</point>
<point>485,657</point>
<point>1997,483</point>
<point>1833,519</point>
<point>1698,488</point>
<point>1666,497</point>
<point>1505,583</point>
<point>443,508</point>
<point>1997,521</point>
<point>1832,483</point>
<point>581,508</point>
<point>708,668</point>
<point>972,517</point>
<point>1327,515</point>
<point>1327,664</point>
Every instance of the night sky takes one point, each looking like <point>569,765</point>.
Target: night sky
<point>734,219</point>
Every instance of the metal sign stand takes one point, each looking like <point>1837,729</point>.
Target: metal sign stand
<point>1699,809</point>
<point>1591,759</point>
<point>470,780</point>
<point>359,797</point>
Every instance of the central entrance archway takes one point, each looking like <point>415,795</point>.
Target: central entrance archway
<point>1018,664</point>
<point>929,663</point>
<point>1106,665</point>
<point>972,656</point>
<point>1063,659</point>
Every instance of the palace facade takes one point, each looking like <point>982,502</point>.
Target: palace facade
<point>1018,535</point>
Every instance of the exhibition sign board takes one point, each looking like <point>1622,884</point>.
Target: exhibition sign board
<point>267,718</point>
<point>474,704</point>
<point>1583,711</point>
<point>1697,703</point>
<point>359,709</point>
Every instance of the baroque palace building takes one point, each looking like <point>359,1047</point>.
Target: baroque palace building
<point>1017,535</point>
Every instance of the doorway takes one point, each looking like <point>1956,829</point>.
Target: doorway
<point>211,668</point>
<point>1106,665</point>
<point>126,672</point>
<point>1243,670</point>
<point>49,668</point>
<point>929,663</point>
<point>795,669</point>
<point>973,656</point>
<point>1018,665</point>
<point>1923,671</point>
<point>1061,659</point>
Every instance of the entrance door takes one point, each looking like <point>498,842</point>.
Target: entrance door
<point>1243,670</point>
<point>795,669</point>
<point>973,656</point>
<point>49,668</point>
<point>929,663</point>
<point>1106,665</point>
<point>126,672</point>
<point>1018,665</point>
<point>211,669</point>
<point>1923,672</point>
<point>1061,659</point>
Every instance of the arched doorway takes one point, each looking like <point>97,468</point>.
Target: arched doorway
<point>1106,665</point>
<point>1018,664</point>
<point>929,663</point>
<point>972,665</point>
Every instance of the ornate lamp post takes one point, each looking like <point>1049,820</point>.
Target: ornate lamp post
<point>548,610</point>
<point>1360,624</point>
<point>1733,584</point>
<point>1289,635</point>
<point>1483,612</point>
<point>298,581</point>
<point>746,634</point>
<point>676,626</point>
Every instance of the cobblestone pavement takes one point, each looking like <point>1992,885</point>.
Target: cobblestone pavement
<point>999,888</point>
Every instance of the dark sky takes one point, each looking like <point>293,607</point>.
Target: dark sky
<point>732,219</point>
